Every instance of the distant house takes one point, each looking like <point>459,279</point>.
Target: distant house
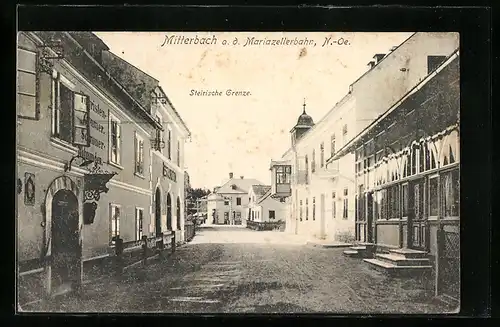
<point>264,208</point>
<point>229,203</point>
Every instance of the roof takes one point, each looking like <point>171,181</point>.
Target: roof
<point>361,136</point>
<point>260,190</point>
<point>241,186</point>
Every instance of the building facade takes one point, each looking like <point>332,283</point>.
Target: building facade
<point>408,189</point>
<point>322,198</point>
<point>229,202</point>
<point>83,159</point>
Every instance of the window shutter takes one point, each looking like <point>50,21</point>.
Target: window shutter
<point>136,153</point>
<point>81,123</point>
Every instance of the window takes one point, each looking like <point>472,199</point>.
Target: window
<point>139,215</point>
<point>307,208</point>
<point>450,188</point>
<point>139,155</point>
<point>283,174</point>
<point>314,208</point>
<point>226,202</point>
<point>344,131</point>
<point>169,145</point>
<point>114,223</point>
<point>405,200</point>
<point>282,200</point>
<point>313,161</point>
<point>300,210</point>
<point>178,154</point>
<point>159,135</point>
<point>322,155</point>
<point>307,170</point>
<point>271,214</point>
<point>434,62</point>
<point>332,144</point>
<point>345,213</point>
<point>334,205</point>
<point>433,196</point>
<point>115,140</point>
<point>238,201</point>
<point>393,202</point>
<point>70,112</point>
<point>382,204</point>
<point>27,83</point>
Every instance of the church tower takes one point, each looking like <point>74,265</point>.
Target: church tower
<point>304,123</point>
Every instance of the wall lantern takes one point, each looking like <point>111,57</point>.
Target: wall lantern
<point>86,162</point>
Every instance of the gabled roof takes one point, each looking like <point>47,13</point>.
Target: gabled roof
<point>260,190</point>
<point>240,186</point>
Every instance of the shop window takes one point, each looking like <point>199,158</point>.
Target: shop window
<point>433,197</point>
<point>27,83</point>
<point>114,213</point>
<point>404,202</point>
<point>450,190</point>
<point>139,216</point>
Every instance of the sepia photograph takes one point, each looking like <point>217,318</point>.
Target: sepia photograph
<point>238,172</point>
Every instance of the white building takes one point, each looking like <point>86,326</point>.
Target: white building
<point>229,202</point>
<point>322,193</point>
<point>264,208</point>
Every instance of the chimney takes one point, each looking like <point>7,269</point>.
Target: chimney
<point>230,175</point>
<point>394,48</point>
<point>242,177</point>
<point>371,64</point>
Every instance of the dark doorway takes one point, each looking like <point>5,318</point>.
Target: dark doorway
<point>66,251</point>
<point>169,212</point>
<point>158,211</point>
<point>178,213</point>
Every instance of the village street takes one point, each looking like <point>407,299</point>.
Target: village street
<point>228,269</point>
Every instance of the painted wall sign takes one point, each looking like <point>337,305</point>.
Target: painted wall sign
<point>97,149</point>
<point>169,173</point>
<point>29,189</point>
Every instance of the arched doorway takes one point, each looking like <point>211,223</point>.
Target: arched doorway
<point>178,213</point>
<point>169,212</point>
<point>65,238</point>
<point>158,211</point>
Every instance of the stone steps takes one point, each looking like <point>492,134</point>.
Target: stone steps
<point>359,250</point>
<point>402,262</point>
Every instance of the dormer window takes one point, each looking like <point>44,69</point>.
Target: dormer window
<point>233,186</point>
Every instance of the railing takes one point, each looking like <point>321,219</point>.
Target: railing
<point>189,231</point>
<point>260,226</point>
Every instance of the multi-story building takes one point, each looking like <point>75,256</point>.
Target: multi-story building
<point>322,194</point>
<point>84,160</point>
<point>228,204</point>
<point>408,188</point>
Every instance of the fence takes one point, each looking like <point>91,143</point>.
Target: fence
<point>135,252</point>
<point>449,264</point>
<point>260,226</point>
<point>189,231</point>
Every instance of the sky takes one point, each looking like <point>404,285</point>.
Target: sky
<point>242,134</point>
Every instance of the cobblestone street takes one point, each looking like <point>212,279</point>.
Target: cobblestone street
<point>233,269</point>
